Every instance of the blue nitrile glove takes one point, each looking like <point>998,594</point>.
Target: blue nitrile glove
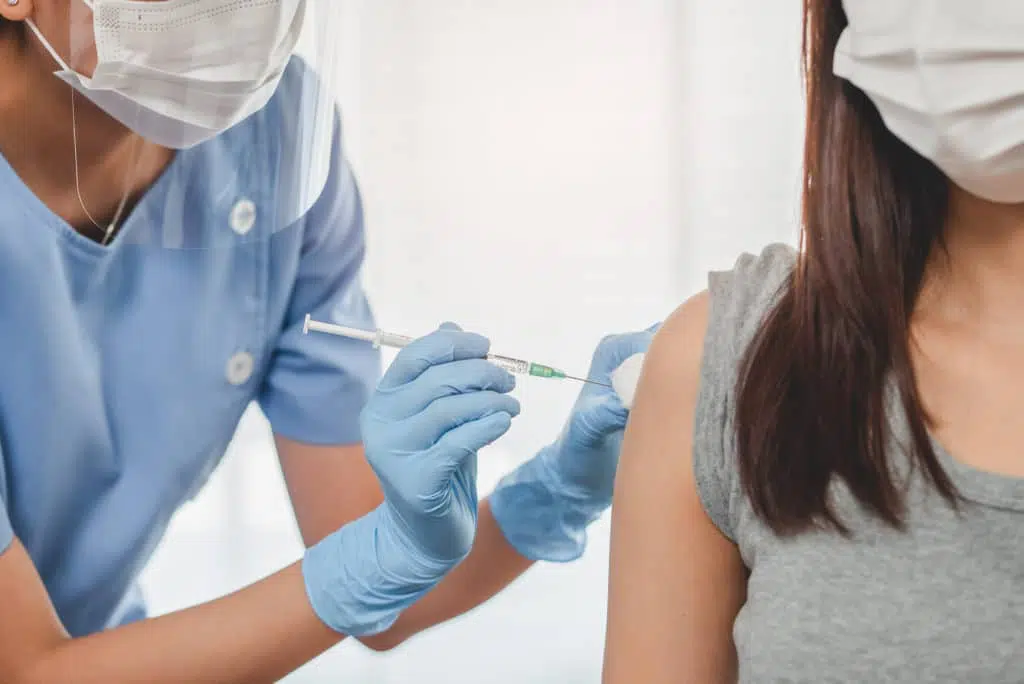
<point>544,507</point>
<point>437,405</point>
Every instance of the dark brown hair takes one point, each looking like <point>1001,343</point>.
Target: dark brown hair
<point>811,394</point>
<point>6,25</point>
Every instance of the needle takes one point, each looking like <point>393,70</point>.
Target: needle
<point>382,338</point>
<point>587,380</point>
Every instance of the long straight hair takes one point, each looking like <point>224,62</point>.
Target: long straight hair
<point>811,394</point>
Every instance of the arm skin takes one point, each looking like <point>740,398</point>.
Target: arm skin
<point>258,634</point>
<point>332,485</point>
<point>676,583</point>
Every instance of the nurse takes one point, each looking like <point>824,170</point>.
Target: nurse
<point>173,200</point>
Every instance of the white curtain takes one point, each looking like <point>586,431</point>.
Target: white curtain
<point>544,173</point>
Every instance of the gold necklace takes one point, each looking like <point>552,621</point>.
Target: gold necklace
<point>107,232</point>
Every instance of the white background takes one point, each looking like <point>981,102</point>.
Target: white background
<point>544,173</point>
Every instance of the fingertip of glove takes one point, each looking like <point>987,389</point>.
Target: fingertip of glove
<point>515,408</point>
<point>501,419</point>
<point>465,344</point>
<point>508,382</point>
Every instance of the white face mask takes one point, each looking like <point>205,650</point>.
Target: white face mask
<point>947,77</point>
<point>179,72</point>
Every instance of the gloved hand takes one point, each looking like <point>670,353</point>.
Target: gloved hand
<point>544,507</point>
<point>436,406</point>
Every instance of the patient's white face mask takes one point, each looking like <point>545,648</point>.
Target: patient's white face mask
<point>947,77</point>
<point>179,72</point>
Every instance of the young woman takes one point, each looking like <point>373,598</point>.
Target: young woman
<point>823,475</point>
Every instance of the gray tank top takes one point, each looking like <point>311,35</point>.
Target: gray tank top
<point>941,602</point>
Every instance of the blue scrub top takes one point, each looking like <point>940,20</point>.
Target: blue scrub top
<point>124,369</point>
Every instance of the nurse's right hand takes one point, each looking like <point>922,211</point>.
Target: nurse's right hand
<point>438,404</point>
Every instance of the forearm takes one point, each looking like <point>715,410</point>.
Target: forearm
<point>258,634</point>
<point>315,474</point>
<point>490,567</point>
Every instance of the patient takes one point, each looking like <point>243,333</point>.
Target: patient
<point>823,475</point>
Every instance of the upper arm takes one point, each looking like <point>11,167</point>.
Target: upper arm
<point>676,582</point>
<point>329,486</point>
<point>316,385</point>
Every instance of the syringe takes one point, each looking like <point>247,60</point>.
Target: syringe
<point>381,338</point>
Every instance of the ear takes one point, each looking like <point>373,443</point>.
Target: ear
<point>15,10</point>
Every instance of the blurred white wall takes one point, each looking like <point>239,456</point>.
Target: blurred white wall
<point>545,173</point>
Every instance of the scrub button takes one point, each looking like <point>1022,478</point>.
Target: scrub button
<point>239,368</point>
<point>243,216</point>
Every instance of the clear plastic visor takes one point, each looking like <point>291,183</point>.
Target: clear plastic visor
<point>243,91</point>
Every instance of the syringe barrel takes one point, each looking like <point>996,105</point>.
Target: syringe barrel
<point>516,366</point>
<point>386,339</point>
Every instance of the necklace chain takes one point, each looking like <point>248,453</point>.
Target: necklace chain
<point>107,232</point>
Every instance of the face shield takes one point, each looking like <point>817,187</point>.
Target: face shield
<point>244,91</point>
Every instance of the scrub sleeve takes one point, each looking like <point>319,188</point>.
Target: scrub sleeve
<point>317,385</point>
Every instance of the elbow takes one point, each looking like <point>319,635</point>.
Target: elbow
<point>385,641</point>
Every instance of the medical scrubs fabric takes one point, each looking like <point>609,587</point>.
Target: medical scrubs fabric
<point>125,368</point>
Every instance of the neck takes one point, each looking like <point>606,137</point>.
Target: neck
<point>45,125</point>
<point>979,278</point>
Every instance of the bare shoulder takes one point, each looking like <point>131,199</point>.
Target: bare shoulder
<point>659,435</point>
<point>671,374</point>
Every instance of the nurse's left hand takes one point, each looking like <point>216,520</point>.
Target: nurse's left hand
<point>545,506</point>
